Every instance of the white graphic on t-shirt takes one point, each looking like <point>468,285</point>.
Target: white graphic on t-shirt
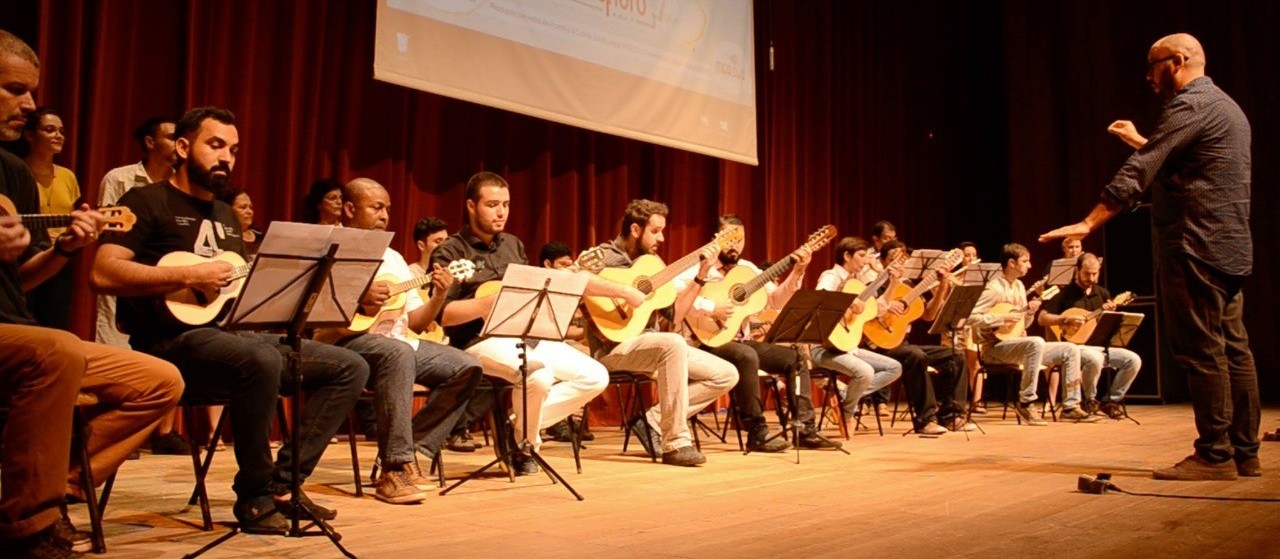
<point>207,239</point>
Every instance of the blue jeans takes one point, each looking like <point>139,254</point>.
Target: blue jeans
<point>867,371</point>
<point>250,370</point>
<point>395,366</point>
<point>1125,362</point>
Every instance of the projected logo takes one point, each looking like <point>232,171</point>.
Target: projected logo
<point>730,68</point>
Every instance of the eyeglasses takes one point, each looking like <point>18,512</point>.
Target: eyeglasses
<point>1151,64</point>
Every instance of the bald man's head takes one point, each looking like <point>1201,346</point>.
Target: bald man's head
<point>365,204</point>
<point>1172,62</point>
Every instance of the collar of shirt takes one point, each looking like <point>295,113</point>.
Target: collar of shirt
<point>140,175</point>
<point>479,244</point>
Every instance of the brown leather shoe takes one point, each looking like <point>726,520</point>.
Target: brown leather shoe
<point>1249,468</point>
<point>1195,468</point>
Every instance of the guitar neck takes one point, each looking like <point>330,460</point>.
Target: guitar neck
<point>927,282</point>
<point>410,284</point>
<point>45,221</point>
<point>873,287</point>
<point>772,273</point>
<point>676,268</point>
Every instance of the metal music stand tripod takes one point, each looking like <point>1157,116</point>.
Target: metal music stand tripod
<point>291,278</point>
<point>1114,329</point>
<point>950,320</point>
<point>808,318</point>
<point>531,310</point>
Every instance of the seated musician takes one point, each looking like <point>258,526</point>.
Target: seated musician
<point>1085,293</point>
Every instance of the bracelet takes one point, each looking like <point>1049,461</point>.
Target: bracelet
<point>65,253</point>
<point>700,281</point>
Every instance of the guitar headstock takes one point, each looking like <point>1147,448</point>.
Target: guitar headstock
<point>953,257</point>
<point>897,261</point>
<point>118,219</point>
<point>820,238</point>
<point>1049,293</point>
<point>1039,285</point>
<point>1124,298</point>
<point>462,269</point>
<point>729,235</point>
<point>591,260</point>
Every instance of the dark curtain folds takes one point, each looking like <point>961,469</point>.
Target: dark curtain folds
<point>979,121</point>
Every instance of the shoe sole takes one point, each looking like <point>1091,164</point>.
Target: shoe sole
<point>404,499</point>
<point>1195,477</point>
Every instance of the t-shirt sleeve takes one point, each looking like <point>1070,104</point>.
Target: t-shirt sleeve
<point>135,238</point>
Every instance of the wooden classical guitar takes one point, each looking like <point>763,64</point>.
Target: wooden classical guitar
<point>848,334</point>
<point>890,330</point>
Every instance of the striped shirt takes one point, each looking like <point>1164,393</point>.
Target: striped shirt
<point>1195,170</point>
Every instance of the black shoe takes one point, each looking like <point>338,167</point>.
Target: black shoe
<point>169,444</point>
<point>649,437</point>
<point>683,456</point>
<point>68,538</point>
<point>758,441</point>
<point>41,545</point>
<point>461,443</point>
<point>1112,410</point>
<point>284,504</point>
<point>524,465</point>
<point>1251,467</point>
<point>1090,406</point>
<point>586,435</point>
<point>812,441</point>
<point>259,515</point>
<point>559,432</point>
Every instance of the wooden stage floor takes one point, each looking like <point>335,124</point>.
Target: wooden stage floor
<point>1008,493</point>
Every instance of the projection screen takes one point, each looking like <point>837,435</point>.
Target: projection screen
<point>678,73</point>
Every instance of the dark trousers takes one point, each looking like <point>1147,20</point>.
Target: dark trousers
<point>920,389</point>
<point>249,370</point>
<point>749,358</point>
<point>1203,316</point>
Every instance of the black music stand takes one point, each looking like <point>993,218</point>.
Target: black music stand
<point>1061,271</point>
<point>950,320</point>
<point>808,318</point>
<point>920,261</point>
<point>296,272</point>
<point>530,309</point>
<point>1114,329</point>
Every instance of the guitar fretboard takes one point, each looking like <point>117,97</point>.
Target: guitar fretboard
<point>676,268</point>
<point>45,221</point>
<point>772,273</point>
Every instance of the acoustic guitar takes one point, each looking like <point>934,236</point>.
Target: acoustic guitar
<point>1018,329</point>
<point>197,307</point>
<point>848,334</point>
<point>119,219</point>
<point>890,330</point>
<point>461,270</point>
<point>616,320</point>
<point>743,289</point>
<point>1079,332</point>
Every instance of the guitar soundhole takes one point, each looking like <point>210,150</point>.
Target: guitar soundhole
<point>738,293</point>
<point>644,285</point>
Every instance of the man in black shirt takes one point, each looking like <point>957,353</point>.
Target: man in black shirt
<point>1195,170</point>
<point>1085,293</point>
<point>183,213</point>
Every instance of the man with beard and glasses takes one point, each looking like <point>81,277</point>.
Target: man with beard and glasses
<point>688,378</point>
<point>750,356</point>
<point>184,213</point>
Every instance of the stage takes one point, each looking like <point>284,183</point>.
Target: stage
<point>1007,493</point>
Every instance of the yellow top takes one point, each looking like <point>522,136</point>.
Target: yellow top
<point>59,197</point>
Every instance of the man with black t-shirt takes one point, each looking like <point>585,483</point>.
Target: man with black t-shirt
<point>184,214</point>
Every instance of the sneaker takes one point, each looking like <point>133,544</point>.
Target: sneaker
<point>414,473</point>
<point>41,545</point>
<point>67,537</point>
<point>957,424</point>
<point>931,429</point>
<point>1195,468</point>
<point>524,465</point>
<point>683,456</point>
<point>284,505</point>
<point>1090,406</point>
<point>1249,468</point>
<point>1112,410</point>
<point>397,488</point>
<point>649,437</point>
<point>170,444</point>
<point>1023,411</point>
<point>259,515</point>
<point>1079,415</point>
<point>813,441</point>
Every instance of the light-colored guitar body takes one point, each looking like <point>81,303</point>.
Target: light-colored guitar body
<point>890,330</point>
<point>848,334</point>
<point>616,320</point>
<point>390,309</point>
<point>1079,334</point>
<point>196,307</point>
<point>1009,331</point>
<point>714,333</point>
